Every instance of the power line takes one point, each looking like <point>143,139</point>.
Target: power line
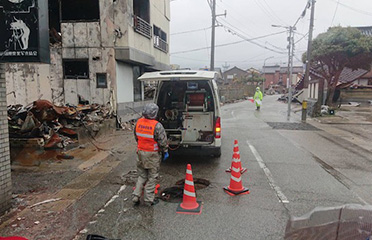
<point>264,10</point>
<point>354,9</point>
<point>301,38</point>
<point>232,16</point>
<point>190,31</point>
<point>250,40</point>
<point>242,34</point>
<point>232,43</point>
<point>334,15</point>
<point>232,61</point>
<point>274,14</point>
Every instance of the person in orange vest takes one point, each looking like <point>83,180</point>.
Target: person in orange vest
<point>152,147</point>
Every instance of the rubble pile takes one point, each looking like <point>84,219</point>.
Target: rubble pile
<point>55,125</point>
<point>149,91</point>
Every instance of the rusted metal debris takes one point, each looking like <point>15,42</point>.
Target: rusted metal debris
<point>57,125</point>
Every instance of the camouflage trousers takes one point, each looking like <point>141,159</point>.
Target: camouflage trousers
<point>148,165</point>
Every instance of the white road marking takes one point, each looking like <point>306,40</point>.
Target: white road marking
<point>279,193</point>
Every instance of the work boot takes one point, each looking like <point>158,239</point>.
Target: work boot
<point>149,204</point>
<point>136,200</point>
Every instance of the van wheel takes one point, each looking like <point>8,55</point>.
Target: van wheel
<point>217,153</point>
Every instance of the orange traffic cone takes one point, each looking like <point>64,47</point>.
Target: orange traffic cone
<point>236,185</point>
<point>189,204</point>
<point>236,158</point>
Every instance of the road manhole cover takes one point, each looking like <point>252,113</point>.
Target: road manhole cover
<point>292,126</point>
<point>199,183</point>
<point>175,193</point>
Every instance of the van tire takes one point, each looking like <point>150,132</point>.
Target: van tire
<point>217,153</point>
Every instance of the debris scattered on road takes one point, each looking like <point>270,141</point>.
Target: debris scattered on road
<point>46,201</point>
<point>84,231</point>
<point>324,110</point>
<point>128,125</point>
<point>130,178</point>
<point>37,222</point>
<point>64,156</point>
<point>354,104</point>
<point>55,125</point>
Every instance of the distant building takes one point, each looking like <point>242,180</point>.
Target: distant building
<point>366,30</point>
<point>234,73</point>
<point>277,75</point>
<point>216,69</point>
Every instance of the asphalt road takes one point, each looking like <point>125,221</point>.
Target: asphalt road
<point>286,176</point>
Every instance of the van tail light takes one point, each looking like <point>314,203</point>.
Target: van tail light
<point>218,128</point>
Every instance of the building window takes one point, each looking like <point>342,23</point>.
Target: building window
<point>101,80</point>
<point>54,12</point>
<point>80,10</point>
<point>141,17</point>
<point>76,69</point>
<point>141,8</point>
<point>160,39</point>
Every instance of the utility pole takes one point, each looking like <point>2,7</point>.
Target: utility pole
<point>213,7</point>
<point>213,34</point>
<point>290,68</point>
<point>226,66</point>
<point>308,55</point>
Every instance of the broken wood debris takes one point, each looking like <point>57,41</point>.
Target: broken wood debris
<point>56,125</point>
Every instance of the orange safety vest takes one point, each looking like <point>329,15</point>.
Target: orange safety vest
<point>145,130</point>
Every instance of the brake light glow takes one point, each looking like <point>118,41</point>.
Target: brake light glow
<point>218,128</point>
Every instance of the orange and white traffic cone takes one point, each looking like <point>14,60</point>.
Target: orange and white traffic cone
<point>236,158</point>
<point>189,204</point>
<point>236,185</point>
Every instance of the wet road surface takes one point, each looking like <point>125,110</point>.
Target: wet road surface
<point>284,176</point>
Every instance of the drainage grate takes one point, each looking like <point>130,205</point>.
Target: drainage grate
<point>292,126</point>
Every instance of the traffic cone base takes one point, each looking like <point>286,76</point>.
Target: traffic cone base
<point>194,211</point>
<point>235,193</point>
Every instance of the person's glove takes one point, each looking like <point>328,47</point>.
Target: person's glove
<point>166,155</point>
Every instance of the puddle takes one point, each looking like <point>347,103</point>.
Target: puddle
<point>31,157</point>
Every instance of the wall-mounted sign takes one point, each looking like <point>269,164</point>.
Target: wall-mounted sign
<point>24,31</point>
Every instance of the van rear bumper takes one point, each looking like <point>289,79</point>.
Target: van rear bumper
<point>199,150</point>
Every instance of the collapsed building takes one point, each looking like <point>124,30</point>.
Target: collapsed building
<point>97,52</point>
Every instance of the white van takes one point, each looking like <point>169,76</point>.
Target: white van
<point>189,109</point>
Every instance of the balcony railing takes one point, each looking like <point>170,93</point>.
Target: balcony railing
<point>142,27</point>
<point>160,44</point>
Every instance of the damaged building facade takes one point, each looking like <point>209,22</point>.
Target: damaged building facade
<point>98,50</point>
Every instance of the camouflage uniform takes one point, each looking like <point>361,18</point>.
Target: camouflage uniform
<point>148,163</point>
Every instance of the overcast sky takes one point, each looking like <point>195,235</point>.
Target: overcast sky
<point>251,19</point>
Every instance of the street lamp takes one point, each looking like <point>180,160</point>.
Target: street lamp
<point>264,72</point>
